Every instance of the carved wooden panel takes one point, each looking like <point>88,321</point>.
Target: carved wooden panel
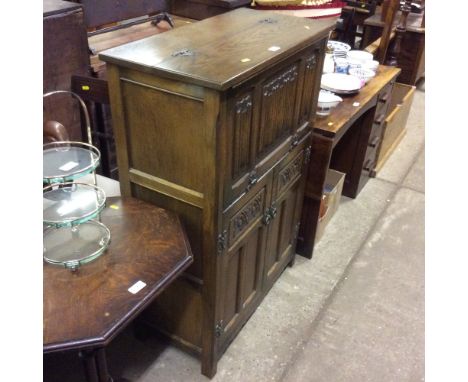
<point>277,108</point>
<point>308,99</point>
<point>246,216</point>
<point>242,134</point>
<point>290,173</point>
<point>242,278</point>
<point>282,235</point>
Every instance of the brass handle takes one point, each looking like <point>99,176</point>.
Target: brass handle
<point>252,180</point>
<point>379,119</point>
<point>375,141</point>
<point>273,211</point>
<point>384,98</point>
<point>368,165</point>
<point>266,218</point>
<point>295,140</point>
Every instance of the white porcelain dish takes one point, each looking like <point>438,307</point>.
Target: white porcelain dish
<point>326,102</point>
<point>360,55</point>
<point>341,83</point>
<point>362,73</point>
<point>372,65</point>
<point>339,46</point>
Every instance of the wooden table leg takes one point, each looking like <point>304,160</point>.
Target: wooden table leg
<point>322,148</point>
<point>95,365</point>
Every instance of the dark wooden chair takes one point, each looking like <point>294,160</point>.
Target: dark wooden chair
<point>350,25</point>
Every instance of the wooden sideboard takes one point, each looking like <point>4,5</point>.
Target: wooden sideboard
<point>348,140</point>
<point>213,121</point>
<point>65,53</point>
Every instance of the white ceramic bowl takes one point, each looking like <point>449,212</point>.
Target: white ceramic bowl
<point>326,102</point>
<point>360,55</point>
<point>362,73</point>
<point>372,65</point>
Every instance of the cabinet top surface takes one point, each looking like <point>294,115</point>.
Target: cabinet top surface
<point>221,51</point>
<point>52,7</point>
<point>342,115</point>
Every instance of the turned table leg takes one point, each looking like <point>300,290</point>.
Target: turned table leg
<point>95,365</point>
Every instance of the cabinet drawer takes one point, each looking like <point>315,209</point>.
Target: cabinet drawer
<point>383,100</point>
<point>370,161</point>
<point>291,167</point>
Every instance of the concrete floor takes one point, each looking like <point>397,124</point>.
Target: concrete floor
<point>355,312</point>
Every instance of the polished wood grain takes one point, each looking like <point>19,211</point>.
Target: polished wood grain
<point>87,308</point>
<point>343,116</point>
<point>224,144</point>
<point>214,58</point>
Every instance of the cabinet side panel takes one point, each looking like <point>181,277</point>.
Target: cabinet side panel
<point>177,312</point>
<point>165,134</point>
<point>191,218</point>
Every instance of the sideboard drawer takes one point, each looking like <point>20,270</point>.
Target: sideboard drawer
<point>383,100</point>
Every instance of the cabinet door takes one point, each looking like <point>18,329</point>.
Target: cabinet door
<point>242,252</point>
<point>285,217</point>
<point>313,64</point>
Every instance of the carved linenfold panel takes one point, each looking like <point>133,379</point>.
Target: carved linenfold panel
<point>246,216</point>
<point>242,127</point>
<point>277,108</point>
<point>311,61</point>
<point>244,104</point>
<point>310,78</point>
<point>290,173</point>
<point>279,82</point>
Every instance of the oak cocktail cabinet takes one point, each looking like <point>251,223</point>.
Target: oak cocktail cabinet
<point>213,121</point>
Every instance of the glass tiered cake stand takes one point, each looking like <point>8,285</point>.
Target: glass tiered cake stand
<point>73,234</point>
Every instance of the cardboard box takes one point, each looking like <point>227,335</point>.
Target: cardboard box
<point>332,190</point>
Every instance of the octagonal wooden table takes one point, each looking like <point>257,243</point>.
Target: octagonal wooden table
<point>86,309</point>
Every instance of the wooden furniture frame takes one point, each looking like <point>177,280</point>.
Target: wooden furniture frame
<point>348,140</point>
<point>65,52</point>
<point>86,309</point>
<point>410,54</point>
<point>213,121</point>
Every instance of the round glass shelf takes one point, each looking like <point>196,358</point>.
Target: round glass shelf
<point>70,204</point>
<point>67,161</point>
<point>72,247</point>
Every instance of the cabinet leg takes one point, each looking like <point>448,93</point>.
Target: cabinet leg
<point>95,365</point>
<point>209,368</point>
<point>292,261</point>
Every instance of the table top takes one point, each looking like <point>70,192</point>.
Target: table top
<point>221,51</point>
<point>52,7</point>
<point>413,23</point>
<point>341,117</point>
<point>87,308</point>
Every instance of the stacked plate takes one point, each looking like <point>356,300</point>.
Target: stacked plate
<point>341,83</point>
<point>340,49</point>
